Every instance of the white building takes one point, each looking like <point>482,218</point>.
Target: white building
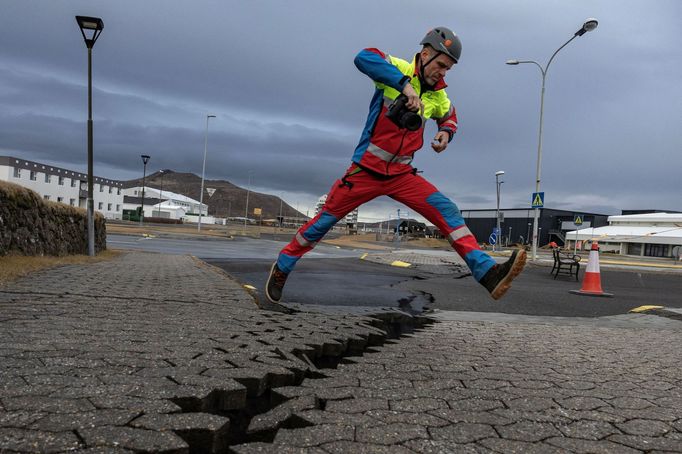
<point>63,185</point>
<point>651,234</point>
<point>351,218</point>
<point>160,203</point>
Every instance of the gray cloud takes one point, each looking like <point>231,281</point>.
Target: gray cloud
<point>291,105</point>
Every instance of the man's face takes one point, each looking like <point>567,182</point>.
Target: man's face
<point>435,70</point>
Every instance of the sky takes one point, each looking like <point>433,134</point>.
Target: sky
<point>290,104</point>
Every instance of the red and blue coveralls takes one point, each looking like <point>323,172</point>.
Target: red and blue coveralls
<point>381,165</point>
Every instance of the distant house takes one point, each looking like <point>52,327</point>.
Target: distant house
<point>651,235</point>
<point>63,185</point>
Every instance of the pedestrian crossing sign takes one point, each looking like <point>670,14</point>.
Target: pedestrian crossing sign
<point>538,200</point>
<point>578,220</point>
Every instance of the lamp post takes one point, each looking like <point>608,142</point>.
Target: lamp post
<point>94,27</point>
<point>145,160</point>
<point>161,192</point>
<point>203,170</point>
<point>498,183</point>
<point>589,25</point>
<point>248,189</point>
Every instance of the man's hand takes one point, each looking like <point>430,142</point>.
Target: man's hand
<point>440,142</point>
<point>414,103</point>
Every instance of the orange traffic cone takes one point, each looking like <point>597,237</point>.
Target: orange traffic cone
<point>592,280</point>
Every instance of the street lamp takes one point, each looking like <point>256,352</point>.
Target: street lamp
<point>162,172</point>
<point>589,25</point>
<point>498,183</point>
<point>203,171</point>
<point>248,189</point>
<point>145,160</point>
<point>94,27</point>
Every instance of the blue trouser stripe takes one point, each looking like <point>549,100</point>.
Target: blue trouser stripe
<point>320,227</point>
<point>446,208</point>
<point>479,263</point>
<point>286,263</point>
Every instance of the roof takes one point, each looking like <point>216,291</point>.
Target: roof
<point>666,234</point>
<point>648,218</point>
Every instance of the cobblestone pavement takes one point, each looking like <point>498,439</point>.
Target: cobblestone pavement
<point>151,353</point>
<point>492,387</point>
<point>160,353</point>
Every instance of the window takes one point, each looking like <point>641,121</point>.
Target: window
<point>73,182</point>
<point>61,180</point>
<point>108,207</point>
<point>46,197</point>
<point>100,205</point>
<point>17,172</point>
<point>48,178</point>
<point>101,188</point>
<point>60,199</point>
<point>118,207</point>
<point>111,189</point>
<point>118,192</point>
<point>34,175</point>
<point>72,202</point>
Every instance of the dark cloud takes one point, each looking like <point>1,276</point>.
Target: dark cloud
<point>290,104</point>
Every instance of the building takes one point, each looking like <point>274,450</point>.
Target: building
<point>517,224</point>
<point>162,204</point>
<point>351,219</point>
<point>651,235</point>
<point>63,185</point>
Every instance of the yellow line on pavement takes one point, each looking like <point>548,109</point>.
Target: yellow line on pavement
<point>362,257</point>
<point>250,287</point>
<point>401,264</point>
<point>645,308</point>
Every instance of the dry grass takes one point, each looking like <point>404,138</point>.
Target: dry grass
<point>13,267</point>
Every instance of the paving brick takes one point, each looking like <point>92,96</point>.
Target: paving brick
<point>134,439</point>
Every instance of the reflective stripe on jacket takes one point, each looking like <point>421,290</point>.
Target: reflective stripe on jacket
<point>384,147</point>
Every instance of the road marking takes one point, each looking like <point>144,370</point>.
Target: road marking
<point>645,308</point>
<point>362,257</point>
<point>401,264</point>
<point>250,287</point>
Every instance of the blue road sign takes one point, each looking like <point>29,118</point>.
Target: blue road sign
<point>537,200</point>
<point>492,239</point>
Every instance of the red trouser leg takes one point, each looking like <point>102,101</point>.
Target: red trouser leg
<point>423,197</point>
<point>343,198</point>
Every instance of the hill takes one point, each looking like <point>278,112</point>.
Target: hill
<point>228,200</point>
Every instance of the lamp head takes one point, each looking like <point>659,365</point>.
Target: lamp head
<point>210,116</point>
<point>512,62</point>
<point>499,172</point>
<point>589,25</point>
<point>93,25</point>
<point>145,158</point>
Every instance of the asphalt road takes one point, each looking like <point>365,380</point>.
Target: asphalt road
<point>333,276</point>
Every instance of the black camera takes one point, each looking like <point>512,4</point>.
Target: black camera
<point>402,116</point>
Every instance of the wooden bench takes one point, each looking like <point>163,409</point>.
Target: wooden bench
<point>565,263</point>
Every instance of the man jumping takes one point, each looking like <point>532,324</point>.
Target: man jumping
<point>406,95</point>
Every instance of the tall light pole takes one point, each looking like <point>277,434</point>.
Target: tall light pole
<point>589,25</point>
<point>248,189</point>
<point>498,183</point>
<point>161,191</point>
<point>203,171</point>
<point>94,27</point>
<point>145,160</point>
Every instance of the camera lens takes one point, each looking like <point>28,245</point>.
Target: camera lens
<point>411,121</point>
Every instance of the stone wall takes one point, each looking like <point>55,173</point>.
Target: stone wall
<point>30,225</point>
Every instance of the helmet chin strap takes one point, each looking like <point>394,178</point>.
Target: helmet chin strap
<point>423,66</point>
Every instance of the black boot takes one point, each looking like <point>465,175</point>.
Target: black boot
<point>498,279</point>
<point>275,284</point>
